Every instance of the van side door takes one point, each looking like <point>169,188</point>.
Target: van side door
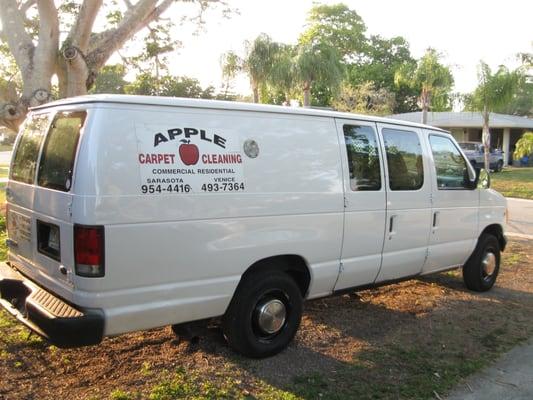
<point>454,219</point>
<point>408,202</point>
<point>364,213</point>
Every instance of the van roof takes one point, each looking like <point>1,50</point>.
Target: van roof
<point>222,105</point>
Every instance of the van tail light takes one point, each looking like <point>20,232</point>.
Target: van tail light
<point>89,251</point>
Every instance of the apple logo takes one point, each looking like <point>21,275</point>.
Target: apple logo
<point>189,153</point>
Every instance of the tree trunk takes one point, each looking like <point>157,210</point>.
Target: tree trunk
<point>255,90</point>
<point>307,94</point>
<point>424,100</point>
<point>486,137</point>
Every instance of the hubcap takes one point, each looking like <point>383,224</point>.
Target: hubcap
<point>489,264</point>
<point>271,316</point>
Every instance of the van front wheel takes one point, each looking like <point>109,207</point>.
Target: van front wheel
<point>481,269</point>
<point>264,314</point>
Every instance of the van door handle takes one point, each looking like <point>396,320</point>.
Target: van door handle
<point>435,219</point>
<point>392,232</point>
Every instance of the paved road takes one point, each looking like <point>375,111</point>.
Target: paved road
<point>5,157</point>
<point>511,378</point>
<point>520,219</point>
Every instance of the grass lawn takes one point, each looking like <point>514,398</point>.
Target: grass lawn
<point>514,182</point>
<point>4,171</point>
<point>413,340</point>
<point>6,147</point>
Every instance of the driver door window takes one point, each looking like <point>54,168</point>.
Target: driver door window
<point>450,166</point>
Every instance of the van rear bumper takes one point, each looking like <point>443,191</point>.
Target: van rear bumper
<point>60,323</point>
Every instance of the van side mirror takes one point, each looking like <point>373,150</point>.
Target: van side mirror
<point>482,178</point>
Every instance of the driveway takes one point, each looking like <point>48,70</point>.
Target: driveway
<point>520,221</point>
<point>511,378</point>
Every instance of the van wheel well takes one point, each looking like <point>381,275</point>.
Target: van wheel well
<point>294,265</point>
<point>497,231</point>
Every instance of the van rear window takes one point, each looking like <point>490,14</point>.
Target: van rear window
<point>27,152</point>
<point>57,160</point>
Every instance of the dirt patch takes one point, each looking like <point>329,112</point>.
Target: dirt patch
<point>406,340</point>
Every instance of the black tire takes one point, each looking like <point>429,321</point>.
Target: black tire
<point>499,166</point>
<point>241,322</point>
<point>479,272</point>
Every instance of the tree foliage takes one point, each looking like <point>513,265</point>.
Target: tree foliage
<point>494,90</point>
<point>111,79</point>
<point>432,80</point>
<point>338,27</point>
<point>317,63</point>
<point>364,99</point>
<point>46,40</point>
<point>524,146</point>
<point>173,86</point>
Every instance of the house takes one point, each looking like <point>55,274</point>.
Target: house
<point>505,130</point>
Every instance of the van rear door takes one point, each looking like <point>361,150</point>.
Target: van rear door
<point>39,195</point>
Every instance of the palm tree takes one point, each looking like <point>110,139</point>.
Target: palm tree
<point>258,61</point>
<point>317,62</point>
<point>283,74</point>
<point>231,65</point>
<point>430,78</point>
<point>493,91</point>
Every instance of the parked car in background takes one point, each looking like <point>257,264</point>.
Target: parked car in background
<point>475,154</point>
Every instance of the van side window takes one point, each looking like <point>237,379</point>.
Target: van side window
<point>404,159</point>
<point>27,152</point>
<point>363,157</point>
<point>450,166</point>
<point>57,160</point>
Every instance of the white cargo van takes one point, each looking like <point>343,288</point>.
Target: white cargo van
<point>127,213</point>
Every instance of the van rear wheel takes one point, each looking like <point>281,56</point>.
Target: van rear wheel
<point>482,268</point>
<point>264,314</point>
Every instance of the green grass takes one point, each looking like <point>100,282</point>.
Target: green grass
<point>514,182</point>
<point>6,147</point>
<point>188,384</point>
<point>4,171</point>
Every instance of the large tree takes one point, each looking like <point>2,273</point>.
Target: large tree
<point>33,31</point>
<point>337,26</point>
<point>432,80</point>
<point>381,59</point>
<point>494,90</point>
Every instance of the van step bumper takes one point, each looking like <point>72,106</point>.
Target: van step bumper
<point>60,323</point>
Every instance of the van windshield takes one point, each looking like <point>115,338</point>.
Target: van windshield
<point>59,152</point>
<point>27,152</point>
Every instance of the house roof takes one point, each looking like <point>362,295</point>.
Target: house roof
<point>467,119</point>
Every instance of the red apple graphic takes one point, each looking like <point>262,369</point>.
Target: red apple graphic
<point>189,153</point>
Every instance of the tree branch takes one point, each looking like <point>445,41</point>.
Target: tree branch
<point>103,45</point>
<point>18,40</point>
<point>27,5</point>
<point>81,30</point>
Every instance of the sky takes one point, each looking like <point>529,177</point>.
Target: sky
<point>465,31</point>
